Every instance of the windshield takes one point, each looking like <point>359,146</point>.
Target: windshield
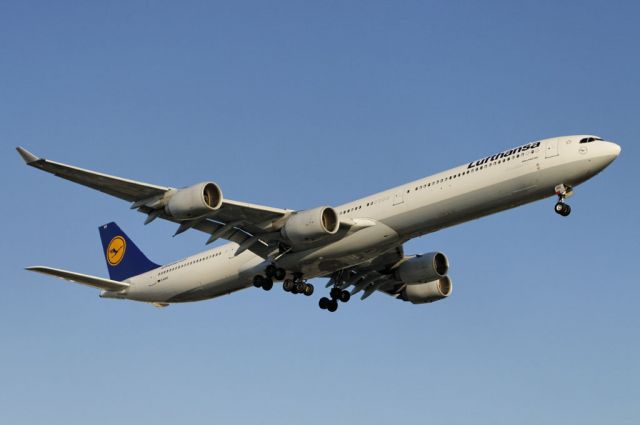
<point>589,139</point>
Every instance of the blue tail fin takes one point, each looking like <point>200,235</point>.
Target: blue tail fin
<point>124,259</point>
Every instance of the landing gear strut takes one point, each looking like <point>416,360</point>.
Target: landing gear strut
<point>336,295</point>
<point>561,207</point>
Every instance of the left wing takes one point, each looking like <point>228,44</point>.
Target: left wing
<point>251,226</point>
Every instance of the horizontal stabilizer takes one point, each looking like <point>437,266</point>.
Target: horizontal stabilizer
<point>96,282</point>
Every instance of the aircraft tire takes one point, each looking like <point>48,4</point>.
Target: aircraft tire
<point>270,271</point>
<point>324,303</point>
<point>345,296</point>
<point>335,293</point>
<point>308,289</point>
<point>258,281</point>
<point>267,284</point>
<point>333,305</point>
<point>280,273</point>
<point>287,285</point>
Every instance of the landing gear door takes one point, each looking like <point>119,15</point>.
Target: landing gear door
<point>551,149</point>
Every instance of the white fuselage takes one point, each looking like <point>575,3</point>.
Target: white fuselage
<point>381,221</point>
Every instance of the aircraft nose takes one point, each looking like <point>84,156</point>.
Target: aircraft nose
<point>615,149</point>
<point>611,150</point>
<point>608,152</point>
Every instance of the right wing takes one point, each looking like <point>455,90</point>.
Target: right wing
<point>374,275</point>
<point>85,279</point>
<point>379,275</point>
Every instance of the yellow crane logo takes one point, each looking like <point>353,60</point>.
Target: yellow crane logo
<point>115,250</point>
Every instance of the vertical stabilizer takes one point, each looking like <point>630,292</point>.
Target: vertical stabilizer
<point>124,258</point>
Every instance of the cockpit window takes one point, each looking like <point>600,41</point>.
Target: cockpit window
<point>589,139</point>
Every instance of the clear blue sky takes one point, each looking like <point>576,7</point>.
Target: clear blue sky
<point>295,104</point>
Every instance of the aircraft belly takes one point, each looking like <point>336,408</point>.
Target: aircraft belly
<point>232,276</point>
<point>355,248</point>
<point>221,287</point>
<point>199,282</point>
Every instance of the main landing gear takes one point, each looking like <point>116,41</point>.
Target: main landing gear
<point>336,295</point>
<point>563,192</point>
<point>266,282</point>
<point>297,285</point>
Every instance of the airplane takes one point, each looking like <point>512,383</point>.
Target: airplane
<point>358,246</point>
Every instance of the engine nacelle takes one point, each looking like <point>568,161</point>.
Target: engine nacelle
<point>311,225</point>
<point>194,201</point>
<point>427,292</point>
<point>423,268</point>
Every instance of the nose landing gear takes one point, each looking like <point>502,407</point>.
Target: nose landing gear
<point>561,207</point>
<point>336,295</point>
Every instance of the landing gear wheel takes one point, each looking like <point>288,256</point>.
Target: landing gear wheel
<point>298,287</point>
<point>279,274</point>
<point>258,281</point>
<point>335,293</point>
<point>562,209</point>
<point>345,296</point>
<point>332,306</point>
<point>559,207</point>
<point>287,285</point>
<point>308,289</point>
<point>267,284</point>
<point>324,303</point>
<point>270,271</point>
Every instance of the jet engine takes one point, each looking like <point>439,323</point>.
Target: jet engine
<point>194,201</point>
<point>423,268</point>
<point>311,225</point>
<point>427,292</point>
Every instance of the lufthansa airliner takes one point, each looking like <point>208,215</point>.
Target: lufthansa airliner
<point>357,246</point>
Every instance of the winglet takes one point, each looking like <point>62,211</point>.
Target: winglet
<point>26,155</point>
